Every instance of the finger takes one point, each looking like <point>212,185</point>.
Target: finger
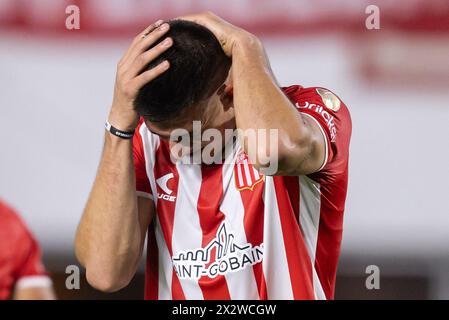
<point>146,42</point>
<point>147,31</point>
<point>150,29</point>
<point>197,18</point>
<point>151,74</point>
<point>141,35</point>
<point>200,18</point>
<point>206,20</point>
<point>142,60</point>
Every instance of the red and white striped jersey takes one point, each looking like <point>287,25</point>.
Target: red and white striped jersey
<point>20,255</point>
<point>225,231</point>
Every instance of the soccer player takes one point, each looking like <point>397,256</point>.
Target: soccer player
<point>221,230</point>
<point>22,275</point>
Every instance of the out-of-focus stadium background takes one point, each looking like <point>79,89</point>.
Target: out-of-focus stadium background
<point>56,88</point>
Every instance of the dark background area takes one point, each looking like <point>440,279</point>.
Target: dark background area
<point>350,285</point>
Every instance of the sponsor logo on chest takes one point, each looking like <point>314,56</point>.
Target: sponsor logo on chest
<point>219,257</point>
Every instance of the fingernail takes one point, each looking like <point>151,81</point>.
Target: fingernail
<point>164,27</point>
<point>166,42</point>
<point>165,64</point>
<point>158,23</point>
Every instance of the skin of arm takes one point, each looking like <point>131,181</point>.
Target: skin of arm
<point>111,233</point>
<point>34,293</point>
<point>259,103</point>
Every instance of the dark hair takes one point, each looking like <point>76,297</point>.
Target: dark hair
<point>198,66</point>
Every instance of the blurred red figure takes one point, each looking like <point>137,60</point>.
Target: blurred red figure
<point>22,274</point>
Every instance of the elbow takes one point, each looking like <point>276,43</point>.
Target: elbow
<point>79,251</point>
<point>282,157</point>
<point>298,158</point>
<point>105,281</point>
<point>105,273</point>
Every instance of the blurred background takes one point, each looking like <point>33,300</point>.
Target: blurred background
<point>56,89</point>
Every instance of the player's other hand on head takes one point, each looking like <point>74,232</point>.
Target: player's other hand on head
<point>227,34</point>
<point>132,73</point>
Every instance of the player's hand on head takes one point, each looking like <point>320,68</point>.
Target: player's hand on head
<point>226,33</point>
<point>130,78</point>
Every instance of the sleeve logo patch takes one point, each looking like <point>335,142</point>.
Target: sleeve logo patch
<point>330,100</point>
<point>327,116</point>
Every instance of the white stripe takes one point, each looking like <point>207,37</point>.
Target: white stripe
<point>150,144</point>
<point>187,232</point>
<point>241,284</point>
<point>239,175</point>
<point>326,146</point>
<point>165,267</point>
<point>249,181</point>
<point>144,195</point>
<point>318,289</point>
<point>275,264</point>
<point>309,218</point>
<point>309,212</point>
<point>256,174</point>
<point>41,281</point>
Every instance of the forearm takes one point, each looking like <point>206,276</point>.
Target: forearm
<point>108,240</point>
<point>258,101</point>
<point>112,230</point>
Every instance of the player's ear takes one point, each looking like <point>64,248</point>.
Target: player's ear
<point>226,90</point>
<point>229,90</point>
<point>229,85</point>
<point>226,96</point>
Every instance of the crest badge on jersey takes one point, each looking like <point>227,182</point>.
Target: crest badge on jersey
<point>246,176</point>
<point>330,100</point>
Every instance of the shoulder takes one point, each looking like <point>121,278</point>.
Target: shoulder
<point>330,113</point>
<point>322,104</point>
<point>13,231</point>
<point>312,96</point>
<point>10,220</point>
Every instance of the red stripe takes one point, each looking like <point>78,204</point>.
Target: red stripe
<point>176,288</point>
<point>166,209</point>
<point>253,223</point>
<point>333,180</point>
<point>330,232</point>
<point>152,266</point>
<point>298,259</point>
<point>210,216</point>
<point>292,185</point>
